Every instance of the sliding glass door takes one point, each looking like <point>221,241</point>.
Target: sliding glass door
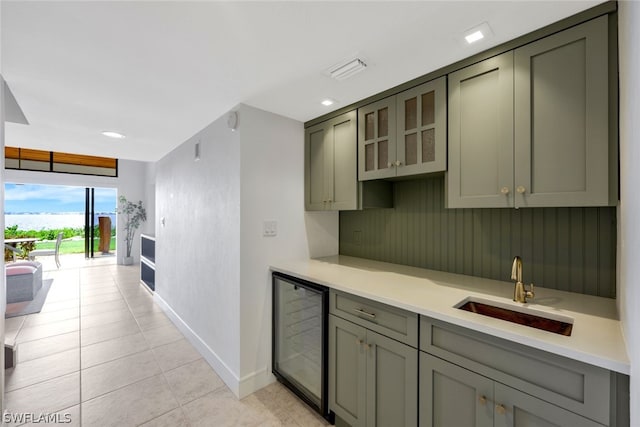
<point>99,221</point>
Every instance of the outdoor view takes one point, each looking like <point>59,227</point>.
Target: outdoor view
<point>43,211</point>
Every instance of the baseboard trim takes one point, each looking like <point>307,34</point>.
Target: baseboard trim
<point>255,381</point>
<point>218,365</point>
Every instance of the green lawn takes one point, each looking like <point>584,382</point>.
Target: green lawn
<point>73,246</point>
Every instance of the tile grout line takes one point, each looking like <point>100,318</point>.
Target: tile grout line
<point>164,376</point>
<point>162,371</point>
<point>80,281</point>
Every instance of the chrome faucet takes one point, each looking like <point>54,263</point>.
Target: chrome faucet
<point>519,292</point>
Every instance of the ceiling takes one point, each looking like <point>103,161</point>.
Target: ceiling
<point>160,71</point>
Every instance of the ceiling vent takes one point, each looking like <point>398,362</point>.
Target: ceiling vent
<point>347,69</point>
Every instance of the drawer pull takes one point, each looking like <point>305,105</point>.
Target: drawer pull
<point>365,313</point>
<point>482,400</point>
<point>500,409</point>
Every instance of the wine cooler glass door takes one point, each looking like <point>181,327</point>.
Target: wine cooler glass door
<point>298,339</point>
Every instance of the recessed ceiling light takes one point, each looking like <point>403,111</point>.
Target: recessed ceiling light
<point>474,37</point>
<point>477,33</point>
<point>112,134</point>
<point>327,102</point>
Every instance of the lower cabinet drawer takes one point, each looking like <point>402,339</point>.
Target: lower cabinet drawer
<point>395,323</point>
<point>579,387</point>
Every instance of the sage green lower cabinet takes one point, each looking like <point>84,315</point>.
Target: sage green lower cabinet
<point>456,377</point>
<point>373,379</point>
<point>514,408</point>
<point>347,371</point>
<point>451,396</point>
<point>523,386</point>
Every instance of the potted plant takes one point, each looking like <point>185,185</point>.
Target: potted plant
<point>134,215</point>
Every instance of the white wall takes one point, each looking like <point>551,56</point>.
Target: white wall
<point>212,273</point>
<point>272,188</point>
<point>198,249</point>
<point>629,229</point>
<point>131,182</point>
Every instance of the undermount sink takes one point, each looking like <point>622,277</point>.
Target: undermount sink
<point>557,324</point>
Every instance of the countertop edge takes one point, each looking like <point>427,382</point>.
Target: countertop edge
<point>483,326</point>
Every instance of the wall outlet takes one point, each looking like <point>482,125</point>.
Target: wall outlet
<point>270,228</point>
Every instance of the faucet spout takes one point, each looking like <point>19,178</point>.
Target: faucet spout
<point>516,269</point>
<point>520,294</point>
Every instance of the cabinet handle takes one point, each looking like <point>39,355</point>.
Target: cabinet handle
<point>365,313</point>
<point>500,409</point>
<point>398,163</point>
<point>504,190</point>
<point>359,341</point>
<point>329,201</point>
<point>521,189</point>
<point>483,400</point>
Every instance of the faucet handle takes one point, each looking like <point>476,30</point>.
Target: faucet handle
<point>530,293</point>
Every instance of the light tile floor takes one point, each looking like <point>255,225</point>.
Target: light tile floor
<point>102,353</point>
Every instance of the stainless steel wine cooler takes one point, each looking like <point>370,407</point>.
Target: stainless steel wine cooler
<point>300,338</point>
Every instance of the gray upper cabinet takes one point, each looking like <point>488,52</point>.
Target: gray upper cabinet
<point>377,140</point>
<point>331,164</point>
<point>562,118</point>
<point>481,135</point>
<point>404,134</point>
<point>421,129</point>
<point>530,128</point>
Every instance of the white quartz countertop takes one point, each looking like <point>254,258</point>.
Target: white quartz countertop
<point>596,337</point>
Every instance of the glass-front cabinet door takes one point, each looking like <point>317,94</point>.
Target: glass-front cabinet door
<point>421,134</point>
<point>404,134</point>
<point>377,140</point>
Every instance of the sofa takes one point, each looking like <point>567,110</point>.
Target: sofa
<point>24,280</point>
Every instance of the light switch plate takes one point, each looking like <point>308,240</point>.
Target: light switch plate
<point>270,228</point>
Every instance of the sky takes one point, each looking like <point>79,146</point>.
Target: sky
<point>21,198</point>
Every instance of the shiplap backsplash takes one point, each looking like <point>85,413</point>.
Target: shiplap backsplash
<point>571,249</point>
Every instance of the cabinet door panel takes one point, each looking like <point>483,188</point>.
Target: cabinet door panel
<point>481,134</point>
<point>347,371</point>
<point>377,140</point>
<point>451,396</point>
<point>522,410</point>
<point>392,382</point>
<point>561,113</point>
<point>315,170</point>
<point>345,164</point>
<point>422,139</point>
<point>330,175</point>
